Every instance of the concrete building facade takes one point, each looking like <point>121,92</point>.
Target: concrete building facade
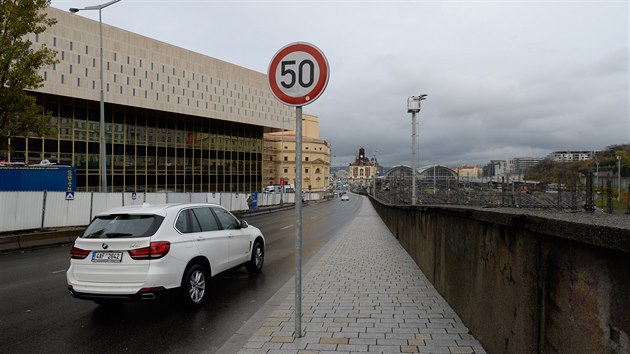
<point>570,156</point>
<point>467,171</point>
<point>175,120</point>
<point>517,167</point>
<point>495,168</point>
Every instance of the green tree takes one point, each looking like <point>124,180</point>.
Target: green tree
<point>20,63</point>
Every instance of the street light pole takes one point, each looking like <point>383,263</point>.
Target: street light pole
<point>103,145</point>
<point>413,107</point>
<point>597,174</point>
<point>618,178</point>
<point>375,172</point>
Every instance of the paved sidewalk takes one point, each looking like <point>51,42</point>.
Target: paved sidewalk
<point>365,295</point>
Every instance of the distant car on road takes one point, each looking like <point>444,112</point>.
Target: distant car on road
<point>345,198</point>
<point>140,252</point>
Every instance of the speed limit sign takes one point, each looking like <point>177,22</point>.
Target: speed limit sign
<point>298,74</point>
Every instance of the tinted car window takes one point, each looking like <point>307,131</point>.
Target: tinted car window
<point>206,219</point>
<point>187,223</point>
<point>123,225</point>
<point>227,220</point>
<point>182,222</point>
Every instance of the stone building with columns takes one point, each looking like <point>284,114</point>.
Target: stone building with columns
<point>279,157</point>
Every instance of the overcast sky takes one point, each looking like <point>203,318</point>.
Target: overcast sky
<point>504,79</point>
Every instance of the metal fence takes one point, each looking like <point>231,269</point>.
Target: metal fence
<point>574,194</point>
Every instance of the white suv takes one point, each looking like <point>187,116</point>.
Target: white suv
<point>137,252</point>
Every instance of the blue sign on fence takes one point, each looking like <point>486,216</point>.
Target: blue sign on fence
<point>38,178</point>
<point>254,200</point>
<point>69,195</point>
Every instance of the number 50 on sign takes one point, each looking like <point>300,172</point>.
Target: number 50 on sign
<point>298,74</point>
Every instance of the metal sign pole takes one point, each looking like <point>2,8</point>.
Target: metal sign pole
<point>297,80</point>
<point>298,222</point>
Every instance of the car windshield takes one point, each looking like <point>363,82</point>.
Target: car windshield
<point>123,225</point>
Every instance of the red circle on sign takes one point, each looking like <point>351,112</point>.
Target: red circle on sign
<point>322,79</point>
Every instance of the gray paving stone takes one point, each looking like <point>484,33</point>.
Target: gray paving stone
<point>317,346</point>
<point>253,345</point>
<point>391,341</point>
<point>281,351</point>
<point>372,335</point>
<point>249,351</point>
<point>440,343</point>
<point>270,346</point>
<point>363,341</point>
<point>434,350</point>
<point>406,336</point>
<point>367,290</point>
<point>407,330</point>
<point>294,346</point>
<point>384,348</point>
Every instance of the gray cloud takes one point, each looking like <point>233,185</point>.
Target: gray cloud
<point>504,79</point>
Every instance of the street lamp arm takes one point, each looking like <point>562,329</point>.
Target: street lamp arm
<point>95,7</point>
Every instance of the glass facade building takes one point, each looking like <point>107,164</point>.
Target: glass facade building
<point>146,150</point>
<point>175,120</point>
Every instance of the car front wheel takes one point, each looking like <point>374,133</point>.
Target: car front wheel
<point>194,286</point>
<point>255,264</point>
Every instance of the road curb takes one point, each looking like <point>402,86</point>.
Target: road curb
<point>17,242</point>
<point>236,342</point>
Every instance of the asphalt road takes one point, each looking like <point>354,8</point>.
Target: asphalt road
<point>38,315</point>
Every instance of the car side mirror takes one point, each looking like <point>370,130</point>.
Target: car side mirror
<point>244,224</point>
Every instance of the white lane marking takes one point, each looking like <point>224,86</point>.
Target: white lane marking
<point>286,227</point>
<point>58,271</point>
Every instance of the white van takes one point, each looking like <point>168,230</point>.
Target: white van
<point>288,188</point>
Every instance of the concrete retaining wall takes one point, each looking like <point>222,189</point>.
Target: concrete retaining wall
<point>522,283</point>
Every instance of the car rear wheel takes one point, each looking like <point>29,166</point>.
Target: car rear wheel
<point>194,286</point>
<point>255,264</point>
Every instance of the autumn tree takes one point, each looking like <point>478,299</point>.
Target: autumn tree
<point>20,63</point>
<point>554,172</point>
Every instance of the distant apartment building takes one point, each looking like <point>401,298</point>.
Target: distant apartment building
<point>468,171</point>
<point>570,156</point>
<point>495,168</point>
<point>519,166</point>
<point>279,157</point>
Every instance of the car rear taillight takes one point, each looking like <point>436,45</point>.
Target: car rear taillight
<point>77,253</point>
<point>154,251</point>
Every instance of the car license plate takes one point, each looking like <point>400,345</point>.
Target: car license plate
<point>106,257</point>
